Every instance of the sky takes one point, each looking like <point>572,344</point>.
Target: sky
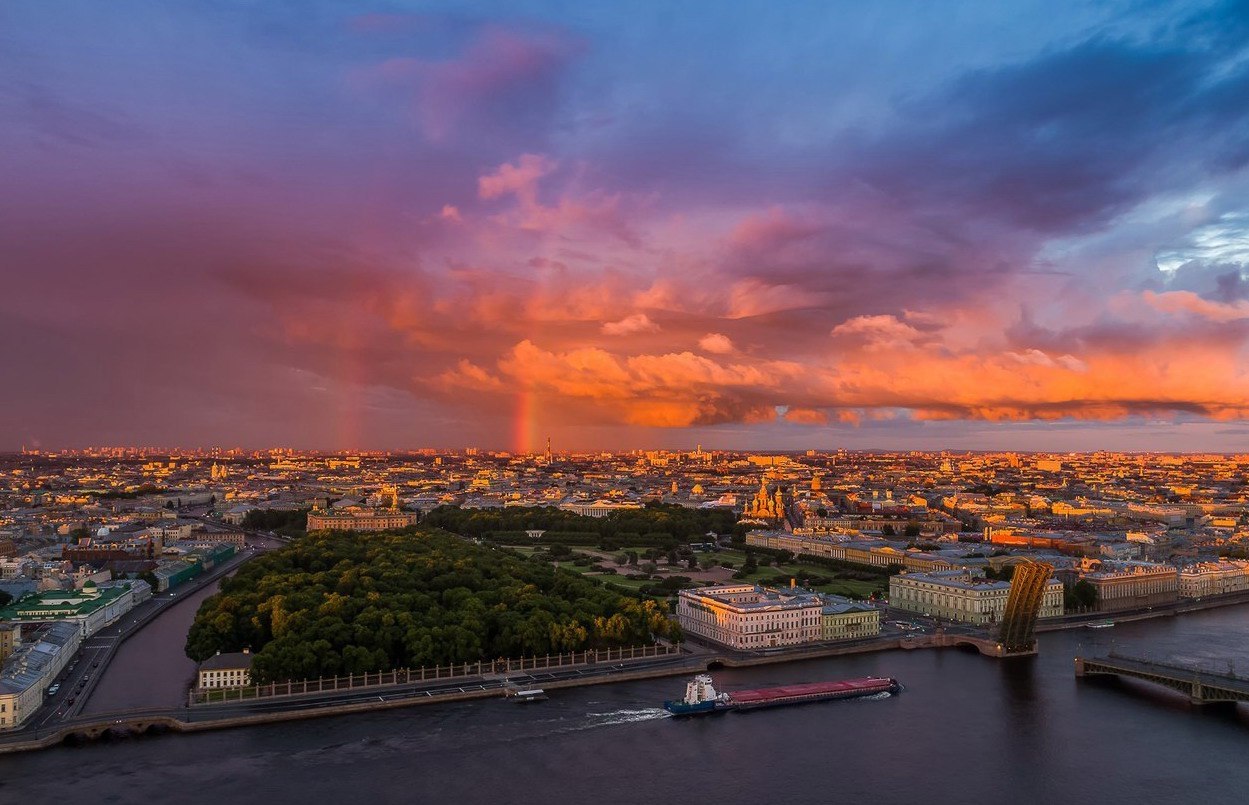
<point>750,225</point>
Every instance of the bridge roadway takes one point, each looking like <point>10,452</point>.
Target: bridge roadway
<point>1201,686</point>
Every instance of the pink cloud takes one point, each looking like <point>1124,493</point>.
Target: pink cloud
<point>635,323</point>
<point>878,332</point>
<point>590,213</point>
<point>503,76</point>
<point>717,343</point>
<point>770,230</point>
<point>519,179</point>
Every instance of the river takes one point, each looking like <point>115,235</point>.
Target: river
<point>966,729</point>
<point>151,669</point>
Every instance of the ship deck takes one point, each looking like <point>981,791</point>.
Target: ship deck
<point>807,689</point>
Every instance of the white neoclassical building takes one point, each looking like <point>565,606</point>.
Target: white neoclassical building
<point>959,595</point>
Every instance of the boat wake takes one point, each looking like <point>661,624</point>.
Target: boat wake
<point>628,716</point>
<point>875,697</point>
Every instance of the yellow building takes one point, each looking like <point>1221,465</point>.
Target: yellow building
<point>28,671</point>
<point>958,595</point>
<point>10,636</point>
<point>874,553</point>
<point>1213,578</point>
<point>358,519</point>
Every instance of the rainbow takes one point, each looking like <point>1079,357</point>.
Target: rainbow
<point>524,423</point>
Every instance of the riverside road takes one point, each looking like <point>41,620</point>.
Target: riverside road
<point>78,682</point>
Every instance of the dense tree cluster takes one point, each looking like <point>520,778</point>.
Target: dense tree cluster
<point>1079,596</point>
<point>291,522</point>
<point>337,603</point>
<point>656,525</point>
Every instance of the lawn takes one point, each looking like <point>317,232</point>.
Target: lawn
<point>852,588</point>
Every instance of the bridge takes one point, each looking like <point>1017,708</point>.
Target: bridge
<point>1017,636</point>
<point>1199,685</point>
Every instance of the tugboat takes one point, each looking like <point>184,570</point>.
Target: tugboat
<point>701,697</point>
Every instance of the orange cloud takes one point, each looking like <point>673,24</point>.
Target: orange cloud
<point>1189,302</point>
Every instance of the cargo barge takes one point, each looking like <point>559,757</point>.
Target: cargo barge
<point>702,698</point>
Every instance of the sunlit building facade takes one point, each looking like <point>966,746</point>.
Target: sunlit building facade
<point>360,520</point>
<point>1213,578</point>
<point>746,616</point>
<point>958,595</point>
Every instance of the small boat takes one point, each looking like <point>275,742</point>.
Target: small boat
<point>1099,625</point>
<point>701,696</point>
<point>528,695</point>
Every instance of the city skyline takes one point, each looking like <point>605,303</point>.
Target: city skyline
<point>903,227</point>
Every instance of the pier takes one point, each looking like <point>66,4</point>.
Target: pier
<point>1200,685</point>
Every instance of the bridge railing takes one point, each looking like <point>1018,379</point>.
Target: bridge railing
<point>423,675</point>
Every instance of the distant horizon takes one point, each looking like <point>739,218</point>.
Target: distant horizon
<point>617,451</point>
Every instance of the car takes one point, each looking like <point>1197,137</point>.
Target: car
<point>71,700</point>
<point>52,690</point>
<point>95,664</point>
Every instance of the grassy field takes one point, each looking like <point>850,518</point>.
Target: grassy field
<point>850,587</point>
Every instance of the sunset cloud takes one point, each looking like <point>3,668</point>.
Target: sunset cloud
<point>636,323</point>
<point>1189,302</point>
<point>395,228</point>
<point>717,343</point>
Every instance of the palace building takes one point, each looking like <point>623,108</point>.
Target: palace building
<point>1133,585</point>
<point>359,519</point>
<point>747,616</point>
<point>1213,578</point>
<point>958,595</point>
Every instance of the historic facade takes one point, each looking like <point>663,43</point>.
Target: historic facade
<point>1133,585</point>
<point>766,505</point>
<point>1213,578</point>
<point>226,670</point>
<point>359,519</point>
<point>746,616</point>
<point>960,596</point>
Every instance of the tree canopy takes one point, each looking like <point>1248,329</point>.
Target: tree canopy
<point>290,522</point>
<point>336,603</point>
<point>655,525</point>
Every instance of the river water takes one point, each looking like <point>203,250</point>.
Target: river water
<point>151,669</point>
<point>967,729</point>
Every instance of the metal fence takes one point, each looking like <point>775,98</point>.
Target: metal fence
<point>417,676</point>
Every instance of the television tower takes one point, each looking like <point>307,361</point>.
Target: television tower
<point>548,450</point>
